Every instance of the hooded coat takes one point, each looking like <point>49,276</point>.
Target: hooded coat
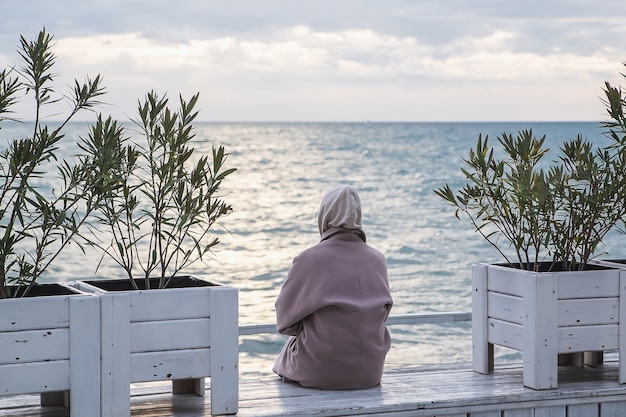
<point>334,304</point>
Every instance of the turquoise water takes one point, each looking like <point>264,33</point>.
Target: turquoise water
<point>283,171</point>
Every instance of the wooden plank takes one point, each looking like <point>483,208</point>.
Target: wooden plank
<point>34,377</point>
<point>168,365</point>
<point>505,307</point>
<point>583,410</point>
<point>524,412</point>
<point>224,350</point>
<point>560,411</point>
<point>504,333</point>
<point>588,338</point>
<point>588,284</point>
<point>115,355</point>
<point>613,409</point>
<point>539,337</point>
<point>35,345</point>
<point>481,353</point>
<point>588,311</point>
<point>428,391</point>
<point>505,280</point>
<point>622,327</point>
<point>84,344</point>
<point>151,336</point>
<point>25,313</point>
<point>170,304</point>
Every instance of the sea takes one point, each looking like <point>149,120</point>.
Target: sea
<point>284,169</point>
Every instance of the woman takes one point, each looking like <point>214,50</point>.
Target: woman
<point>334,304</point>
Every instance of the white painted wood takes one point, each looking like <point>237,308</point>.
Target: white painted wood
<point>115,355</point>
<point>53,344</point>
<point>172,364</point>
<point>560,411</point>
<point>35,345</point>
<point>170,334</point>
<point>583,410</point>
<point>506,334</point>
<point>505,307</point>
<point>25,313</point>
<point>588,311</point>
<point>539,331</point>
<point>505,280</point>
<point>480,334</point>
<point>84,346</point>
<point>150,336</point>
<point>88,288</point>
<point>586,316</point>
<point>622,327</point>
<point>588,284</point>
<point>34,377</point>
<point>224,351</point>
<point>586,338</point>
<point>613,409</point>
<point>486,414</point>
<point>524,412</point>
<point>170,304</point>
<point>395,319</point>
<point>425,391</point>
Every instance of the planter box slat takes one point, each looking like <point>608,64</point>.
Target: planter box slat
<point>587,338</point>
<point>505,307</point>
<point>174,364</point>
<point>588,311</point>
<point>184,303</point>
<point>503,282</point>
<point>591,284</point>
<point>506,334</point>
<point>85,356</point>
<point>34,346</point>
<point>26,313</point>
<point>149,336</point>
<point>34,377</point>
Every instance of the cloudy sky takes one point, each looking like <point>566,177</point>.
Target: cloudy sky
<point>337,60</point>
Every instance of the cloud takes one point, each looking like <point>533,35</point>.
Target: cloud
<point>280,59</point>
<point>351,54</point>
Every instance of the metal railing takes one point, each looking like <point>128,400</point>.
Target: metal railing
<point>421,318</point>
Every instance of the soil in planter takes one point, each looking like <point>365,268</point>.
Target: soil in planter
<point>554,266</point>
<point>42,290</point>
<point>125,285</point>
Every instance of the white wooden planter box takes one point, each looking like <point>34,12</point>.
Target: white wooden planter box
<point>178,334</point>
<point>545,314</point>
<point>51,344</point>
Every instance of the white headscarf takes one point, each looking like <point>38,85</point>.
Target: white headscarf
<point>340,207</point>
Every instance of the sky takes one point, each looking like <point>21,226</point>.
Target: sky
<point>335,60</point>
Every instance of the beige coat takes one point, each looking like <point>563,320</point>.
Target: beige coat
<point>334,304</point>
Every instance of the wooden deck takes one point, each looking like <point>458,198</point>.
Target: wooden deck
<point>451,391</point>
